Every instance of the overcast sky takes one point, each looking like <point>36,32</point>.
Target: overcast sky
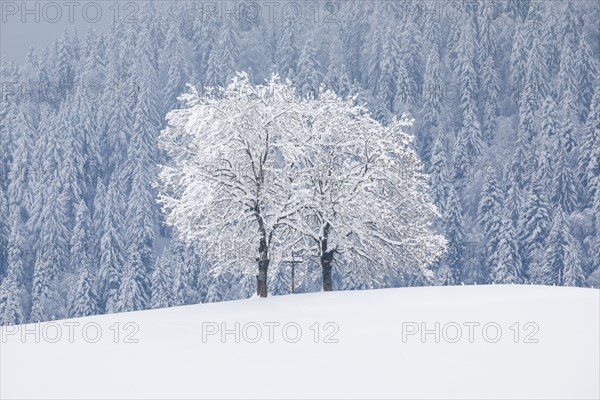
<point>39,23</point>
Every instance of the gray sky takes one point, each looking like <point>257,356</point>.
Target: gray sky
<point>37,23</point>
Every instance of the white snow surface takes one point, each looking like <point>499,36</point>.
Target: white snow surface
<point>370,359</point>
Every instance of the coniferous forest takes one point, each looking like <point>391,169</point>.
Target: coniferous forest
<point>504,99</point>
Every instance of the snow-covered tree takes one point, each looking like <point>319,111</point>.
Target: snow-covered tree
<point>489,216</point>
<point>287,50</point>
<point>224,184</point>
<point>112,258</point>
<point>162,294</point>
<point>560,252</point>
<point>505,264</point>
<point>362,188</point>
<point>453,227</point>
<point>84,302</point>
<point>306,166</point>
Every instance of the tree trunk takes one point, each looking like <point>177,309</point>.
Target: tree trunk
<point>326,267</point>
<point>326,261</point>
<point>261,287</point>
<point>263,267</point>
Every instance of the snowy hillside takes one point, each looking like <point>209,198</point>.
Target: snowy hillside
<point>369,344</point>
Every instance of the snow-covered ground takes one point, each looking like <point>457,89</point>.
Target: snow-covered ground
<point>369,344</point>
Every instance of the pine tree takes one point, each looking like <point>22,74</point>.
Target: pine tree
<point>308,77</point>
<point>280,280</point>
<point>81,239</point>
<point>573,273</point>
<point>133,295</point>
<point>247,286</point>
<point>551,44</point>
<point>84,301</point>
<point>491,93</point>
<point>116,114</point>
<point>567,81</point>
<point>559,251</point>
<point>178,71</point>
<point>549,124</point>
<point>564,193</point>
<point>11,308</point>
<point>518,62</point>
<point>98,217</point>
<point>534,224</point>
<point>228,50</point>
<point>140,224</point>
<point>518,9</point>
<point>513,196</point>
<point>569,26</point>
<point>587,71</point>
<point>588,167</point>
<point>506,262</point>
<point>162,295</point>
<point>11,288</point>
<point>112,257</point>
<point>287,50</point>
<point>344,82</point>
<point>389,67</point>
<point>537,76</point>
<point>454,230</point>
<point>438,175</point>
<point>411,54</point>
<point>4,233</point>
<point>433,92</point>
<point>181,283</point>
<point>489,216</point>
<point>21,166</point>
<point>471,131</point>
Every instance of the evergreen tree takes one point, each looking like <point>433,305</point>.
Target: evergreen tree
<point>564,193</point>
<point>228,50</point>
<point>471,131</point>
<point>518,62</point>
<point>491,93</point>
<point>140,225</point>
<point>489,216</point>
<point>11,308</point>
<point>537,76</point>
<point>438,175</point>
<point>433,92</point>
<point>112,257</point>
<point>587,71</point>
<point>549,124</point>
<point>162,295</point>
<point>133,295</point>
<point>551,44</point>
<point>84,302</point>
<point>308,77</point>
<point>454,230</point>
<point>534,224</point>
<point>559,251</point>
<point>567,82</point>
<point>574,274</point>
<point>81,239</point>
<point>4,233</point>
<point>506,262</point>
<point>518,9</point>
<point>280,280</point>
<point>589,154</point>
<point>287,50</point>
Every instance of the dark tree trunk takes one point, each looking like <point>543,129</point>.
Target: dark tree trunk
<point>263,267</point>
<point>326,261</point>
<point>326,267</point>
